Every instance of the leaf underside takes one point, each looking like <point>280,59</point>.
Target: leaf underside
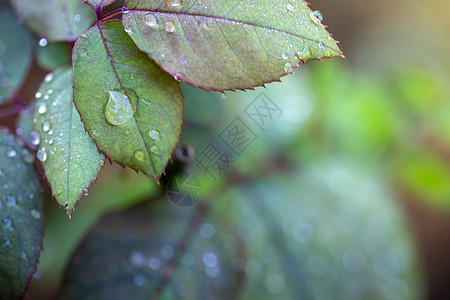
<point>228,45</point>
<point>21,217</point>
<point>130,107</point>
<point>72,160</point>
<point>56,20</point>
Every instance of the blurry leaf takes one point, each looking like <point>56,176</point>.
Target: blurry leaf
<point>22,217</point>
<point>425,176</point>
<point>53,55</point>
<point>228,45</point>
<point>131,108</point>
<point>115,189</point>
<point>69,156</point>
<point>99,4</point>
<point>56,20</point>
<point>15,53</point>
<point>152,252</point>
<point>24,126</point>
<point>329,232</point>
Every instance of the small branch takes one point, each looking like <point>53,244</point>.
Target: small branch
<point>10,111</point>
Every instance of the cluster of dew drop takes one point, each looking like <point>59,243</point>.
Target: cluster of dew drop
<point>317,18</point>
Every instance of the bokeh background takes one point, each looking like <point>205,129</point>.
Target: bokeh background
<point>355,171</point>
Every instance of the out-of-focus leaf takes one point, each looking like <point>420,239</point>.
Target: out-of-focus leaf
<point>69,156</point>
<point>115,189</point>
<point>130,107</point>
<point>24,126</point>
<point>329,232</point>
<point>15,53</point>
<point>164,252</point>
<point>21,217</point>
<point>99,4</point>
<point>228,45</point>
<point>53,55</point>
<point>56,20</point>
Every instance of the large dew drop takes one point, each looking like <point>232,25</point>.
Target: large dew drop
<point>150,20</point>
<point>118,110</point>
<point>174,2</point>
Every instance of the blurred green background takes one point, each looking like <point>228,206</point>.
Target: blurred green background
<point>358,160</point>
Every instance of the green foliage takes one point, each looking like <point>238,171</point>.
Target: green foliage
<point>69,156</point>
<point>21,217</point>
<point>228,45</point>
<point>251,241</point>
<point>56,20</point>
<point>15,53</point>
<point>131,108</point>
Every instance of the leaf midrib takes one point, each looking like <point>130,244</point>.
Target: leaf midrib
<point>116,74</point>
<point>238,22</point>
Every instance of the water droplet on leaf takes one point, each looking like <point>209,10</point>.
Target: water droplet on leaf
<point>154,149</point>
<point>154,134</point>
<point>170,26</point>
<point>118,109</point>
<point>48,77</point>
<point>46,126</point>
<point>128,29</point>
<point>11,152</point>
<point>41,107</point>
<point>139,155</point>
<point>150,20</point>
<point>316,17</point>
<point>35,214</point>
<point>35,139</point>
<point>10,200</point>
<point>85,192</point>
<point>42,154</point>
<point>174,2</point>
<point>288,68</point>
<point>43,42</point>
<point>6,223</point>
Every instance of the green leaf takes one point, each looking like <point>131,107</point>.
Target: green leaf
<point>228,45</point>
<point>69,156</point>
<point>24,126</point>
<point>99,4</point>
<point>15,53</point>
<point>164,253</point>
<point>56,20</point>
<point>53,56</point>
<point>21,217</point>
<point>131,108</point>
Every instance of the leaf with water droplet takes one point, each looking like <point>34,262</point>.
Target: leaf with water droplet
<point>15,53</point>
<point>182,258</point>
<point>69,156</point>
<point>56,20</point>
<point>20,196</point>
<point>228,46</point>
<point>124,97</point>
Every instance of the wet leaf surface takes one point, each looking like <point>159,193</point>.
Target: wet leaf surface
<point>69,156</point>
<point>56,20</point>
<point>15,53</point>
<point>21,217</point>
<point>228,45</point>
<point>130,107</point>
